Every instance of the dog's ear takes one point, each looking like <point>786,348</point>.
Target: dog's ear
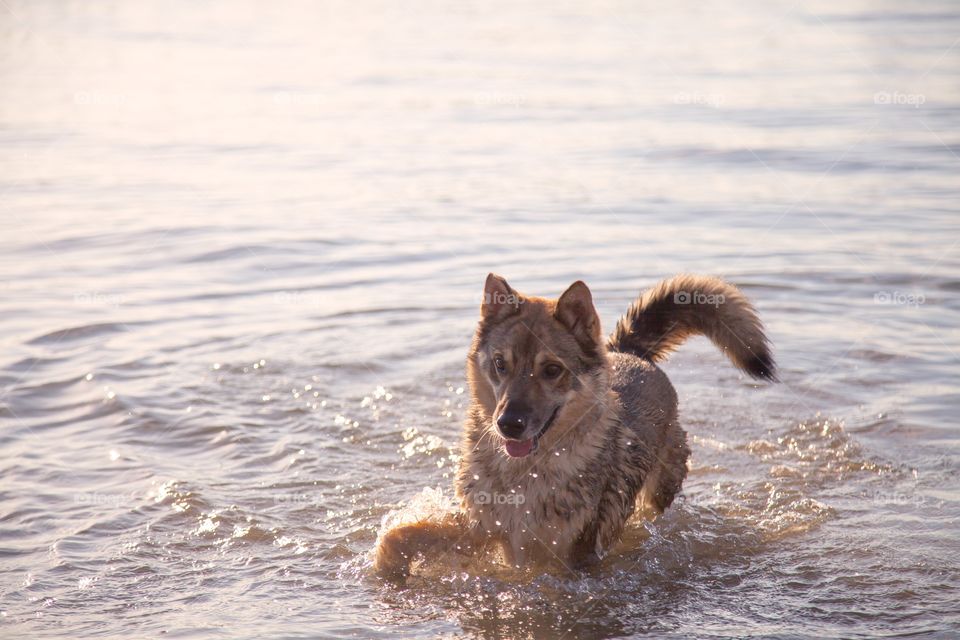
<point>499,300</point>
<point>575,311</point>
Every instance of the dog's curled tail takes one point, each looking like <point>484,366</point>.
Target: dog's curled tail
<point>663,317</point>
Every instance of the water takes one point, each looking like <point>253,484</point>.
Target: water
<point>242,250</point>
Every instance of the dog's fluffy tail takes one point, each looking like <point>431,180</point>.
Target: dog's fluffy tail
<point>663,317</point>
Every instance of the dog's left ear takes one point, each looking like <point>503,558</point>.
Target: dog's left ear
<point>575,311</point>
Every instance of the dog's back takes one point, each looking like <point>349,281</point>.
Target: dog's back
<point>649,413</point>
<point>656,324</point>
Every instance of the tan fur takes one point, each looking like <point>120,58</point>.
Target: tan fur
<point>604,430</point>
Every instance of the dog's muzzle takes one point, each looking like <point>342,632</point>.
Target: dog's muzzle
<point>515,447</point>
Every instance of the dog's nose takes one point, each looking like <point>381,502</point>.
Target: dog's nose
<point>511,424</point>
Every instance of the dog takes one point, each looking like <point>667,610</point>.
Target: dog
<point>568,434</point>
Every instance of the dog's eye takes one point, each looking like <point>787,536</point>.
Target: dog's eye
<point>552,370</point>
<point>499,364</point>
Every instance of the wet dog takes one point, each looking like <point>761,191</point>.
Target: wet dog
<point>568,434</point>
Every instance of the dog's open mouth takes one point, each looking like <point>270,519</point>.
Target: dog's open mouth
<point>523,448</point>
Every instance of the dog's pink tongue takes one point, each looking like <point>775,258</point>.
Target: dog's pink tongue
<point>518,448</point>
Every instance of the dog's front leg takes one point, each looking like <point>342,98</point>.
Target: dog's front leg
<point>401,545</point>
<point>514,550</point>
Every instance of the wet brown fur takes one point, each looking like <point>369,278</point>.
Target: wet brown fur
<point>614,443</point>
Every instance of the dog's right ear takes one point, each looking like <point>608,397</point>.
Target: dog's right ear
<point>499,300</point>
<point>576,312</point>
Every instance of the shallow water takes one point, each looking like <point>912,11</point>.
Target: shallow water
<point>241,259</point>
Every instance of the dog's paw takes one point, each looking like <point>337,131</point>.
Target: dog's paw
<point>394,555</point>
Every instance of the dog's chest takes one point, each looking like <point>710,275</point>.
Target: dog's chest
<point>537,515</point>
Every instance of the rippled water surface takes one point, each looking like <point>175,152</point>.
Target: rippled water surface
<point>241,254</point>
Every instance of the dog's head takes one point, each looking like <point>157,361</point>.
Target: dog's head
<point>532,359</point>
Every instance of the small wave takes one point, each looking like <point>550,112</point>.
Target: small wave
<point>175,494</point>
<point>872,355</point>
<point>256,251</point>
<point>820,450</point>
<point>80,332</point>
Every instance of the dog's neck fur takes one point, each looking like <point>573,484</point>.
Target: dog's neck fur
<point>569,459</point>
